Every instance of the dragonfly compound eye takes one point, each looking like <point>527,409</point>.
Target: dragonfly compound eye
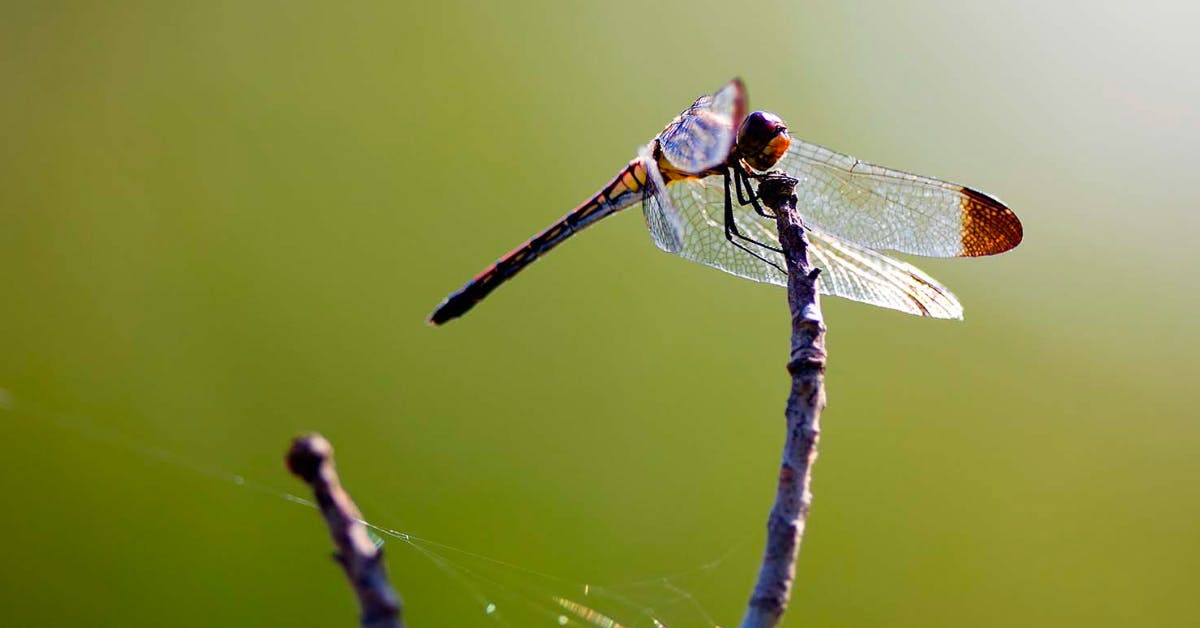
<point>762,140</point>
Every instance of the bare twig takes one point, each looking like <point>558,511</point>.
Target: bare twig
<point>785,526</point>
<point>311,459</point>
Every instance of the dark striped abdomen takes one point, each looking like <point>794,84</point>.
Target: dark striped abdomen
<point>620,193</point>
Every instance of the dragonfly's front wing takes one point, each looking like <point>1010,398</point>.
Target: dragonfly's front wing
<point>688,220</point>
<point>701,137</point>
<point>889,209</point>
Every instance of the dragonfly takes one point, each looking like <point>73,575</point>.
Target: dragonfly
<point>696,182</point>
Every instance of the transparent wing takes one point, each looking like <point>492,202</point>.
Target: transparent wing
<point>697,206</point>
<point>860,274</point>
<point>664,224</point>
<point>889,209</point>
<point>701,137</point>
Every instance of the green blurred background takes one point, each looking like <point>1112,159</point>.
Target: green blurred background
<point>224,223</point>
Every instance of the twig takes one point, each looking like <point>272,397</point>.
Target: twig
<point>785,526</point>
<point>311,459</point>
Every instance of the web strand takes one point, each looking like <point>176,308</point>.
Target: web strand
<point>493,585</point>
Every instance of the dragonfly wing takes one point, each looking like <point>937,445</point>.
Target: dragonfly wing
<point>701,137</point>
<point>888,209</point>
<point>697,208</point>
<point>860,274</point>
<point>662,220</point>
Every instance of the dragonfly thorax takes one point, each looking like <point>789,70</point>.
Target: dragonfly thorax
<point>762,140</point>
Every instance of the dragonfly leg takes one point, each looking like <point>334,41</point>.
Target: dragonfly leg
<point>731,231</point>
<point>742,180</point>
<point>743,198</point>
<point>731,227</point>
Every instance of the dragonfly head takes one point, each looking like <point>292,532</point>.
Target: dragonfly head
<point>762,140</point>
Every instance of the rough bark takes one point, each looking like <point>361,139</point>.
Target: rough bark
<point>785,525</point>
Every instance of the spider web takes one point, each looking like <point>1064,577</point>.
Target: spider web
<point>504,593</point>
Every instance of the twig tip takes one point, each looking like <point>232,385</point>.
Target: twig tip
<point>306,455</point>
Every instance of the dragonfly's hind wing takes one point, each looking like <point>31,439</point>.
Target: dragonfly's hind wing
<point>662,219</point>
<point>860,274</point>
<point>697,207</point>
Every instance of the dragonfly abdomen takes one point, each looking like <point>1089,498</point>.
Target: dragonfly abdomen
<point>623,191</point>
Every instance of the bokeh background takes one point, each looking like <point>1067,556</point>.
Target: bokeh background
<point>224,223</point>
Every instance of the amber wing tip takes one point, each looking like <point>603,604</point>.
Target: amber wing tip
<point>989,227</point>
